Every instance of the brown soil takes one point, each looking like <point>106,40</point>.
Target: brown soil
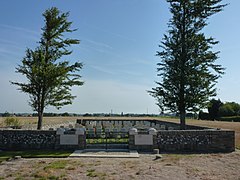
<point>195,166</point>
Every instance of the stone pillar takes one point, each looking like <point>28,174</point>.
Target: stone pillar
<point>153,132</point>
<point>67,139</point>
<point>143,141</point>
<point>131,141</point>
<point>60,131</point>
<point>81,138</point>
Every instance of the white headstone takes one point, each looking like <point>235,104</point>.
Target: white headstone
<point>80,131</point>
<point>152,131</point>
<point>133,131</point>
<point>60,131</point>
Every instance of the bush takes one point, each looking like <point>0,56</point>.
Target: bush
<point>230,119</point>
<point>229,109</point>
<point>203,116</point>
<point>12,122</point>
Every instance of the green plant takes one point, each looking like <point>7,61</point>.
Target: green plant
<point>61,164</point>
<point>12,121</point>
<point>50,78</point>
<point>33,154</point>
<point>91,173</point>
<point>187,70</point>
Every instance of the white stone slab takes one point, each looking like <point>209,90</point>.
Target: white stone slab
<point>69,139</point>
<point>83,153</point>
<point>143,139</point>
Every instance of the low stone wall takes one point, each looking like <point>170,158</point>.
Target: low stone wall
<point>166,141</point>
<point>183,140</point>
<point>27,139</point>
<point>37,140</point>
<point>196,141</point>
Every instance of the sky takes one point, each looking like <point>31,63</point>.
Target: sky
<point>119,40</point>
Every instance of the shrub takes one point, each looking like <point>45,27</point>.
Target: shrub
<point>12,121</point>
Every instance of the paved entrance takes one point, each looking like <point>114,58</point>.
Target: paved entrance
<point>101,153</point>
<point>107,140</point>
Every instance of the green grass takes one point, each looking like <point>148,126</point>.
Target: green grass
<point>4,155</point>
<point>230,119</point>
<point>61,164</point>
<point>92,173</point>
<point>109,141</point>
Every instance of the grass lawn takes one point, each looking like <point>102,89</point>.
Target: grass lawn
<point>109,141</point>
<point>4,155</point>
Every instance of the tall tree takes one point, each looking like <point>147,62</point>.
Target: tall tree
<point>187,69</point>
<point>213,108</point>
<point>49,77</point>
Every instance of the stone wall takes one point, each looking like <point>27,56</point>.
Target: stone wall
<point>185,141</point>
<point>37,140</point>
<point>196,141</point>
<point>166,140</point>
<point>27,139</point>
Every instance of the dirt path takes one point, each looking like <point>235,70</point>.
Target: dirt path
<point>197,166</point>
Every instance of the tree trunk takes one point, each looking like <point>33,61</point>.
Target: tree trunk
<point>40,119</point>
<point>183,120</point>
<point>183,59</point>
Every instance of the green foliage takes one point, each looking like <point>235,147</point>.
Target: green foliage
<point>213,108</point>
<point>230,118</point>
<point>187,69</point>
<point>203,115</point>
<point>6,114</point>
<point>108,140</point>
<point>4,155</point>
<point>49,79</point>
<point>91,173</point>
<point>12,121</point>
<point>61,164</point>
<point>229,109</point>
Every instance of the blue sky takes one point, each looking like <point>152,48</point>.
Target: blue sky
<point>119,40</point>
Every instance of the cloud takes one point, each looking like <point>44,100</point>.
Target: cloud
<point>20,32</point>
<point>87,44</point>
<point>99,44</point>
<point>15,28</point>
<point>120,36</point>
<point>104,70</point>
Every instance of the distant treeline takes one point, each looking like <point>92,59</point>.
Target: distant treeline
<point>7,114</point>
<point>65,114</point>
<point>217,110</point>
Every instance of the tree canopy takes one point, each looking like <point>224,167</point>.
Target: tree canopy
<point>49,78</point>
<point>188,72</point>
<point>213,108</point>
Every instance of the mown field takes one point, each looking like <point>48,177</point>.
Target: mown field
<point>59,120</point>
